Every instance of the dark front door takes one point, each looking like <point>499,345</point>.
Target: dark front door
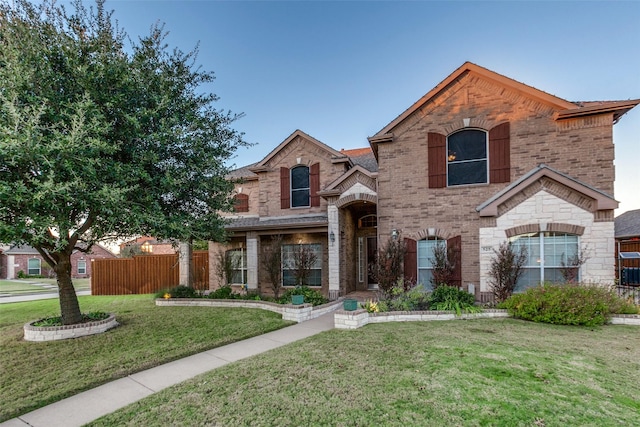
<point>372,250</point>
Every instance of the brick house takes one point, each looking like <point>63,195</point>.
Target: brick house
<point>478,160</point>
<point>28,260</point>
<point>151,245</point>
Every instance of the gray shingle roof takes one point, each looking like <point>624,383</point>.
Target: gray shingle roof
<point>628,224</point>
<point>21,250</point>
<point>255,223</point>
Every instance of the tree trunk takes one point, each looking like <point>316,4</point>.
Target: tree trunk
<point>69,307</point>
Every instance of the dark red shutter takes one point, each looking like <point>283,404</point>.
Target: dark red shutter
<point>454,249</point>
<point>500,154</point>
<point>285,189</point>
<point>437,160</point>
<point>314,181</point>
<point>410,260</point>
<point>241,202</point>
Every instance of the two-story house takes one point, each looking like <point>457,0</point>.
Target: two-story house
<point>479,160</point>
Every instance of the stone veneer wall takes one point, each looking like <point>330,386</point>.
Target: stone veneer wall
<point>542,209</point>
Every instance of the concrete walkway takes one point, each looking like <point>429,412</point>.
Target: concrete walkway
<point>92,404</point>
<point>35,296</point>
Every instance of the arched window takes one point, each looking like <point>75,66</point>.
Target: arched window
<point>368,221</point>
<point>241,202</point>
<point>467,157</point>
<point>548,254</point>
<point>300,188</point>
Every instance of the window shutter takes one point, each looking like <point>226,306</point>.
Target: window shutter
<point>314,183</point>
<point>241,203</point>
<point>437,157</point>
<point>500,154</point>
<point>454,247</point>
<point>410,260</point>
<point>285,189</point>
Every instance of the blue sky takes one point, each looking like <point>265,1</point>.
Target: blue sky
<point>340,71</point>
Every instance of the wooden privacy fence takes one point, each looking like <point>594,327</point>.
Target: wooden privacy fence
<point>145,274</point>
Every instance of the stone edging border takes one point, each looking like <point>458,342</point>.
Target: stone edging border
<point>359,318</point>
<point>296,313</point>
<point>53,333</point>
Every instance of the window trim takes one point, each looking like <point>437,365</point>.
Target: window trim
<point>541,259</point>
<point>29,268</point>
<point>84,271</point>
<point>485,159</point>
<point>418,252</point>
<point>243,266</point>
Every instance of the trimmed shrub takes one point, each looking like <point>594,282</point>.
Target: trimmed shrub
<point>570,304</point>
<point>179,292</point>
<point>311,296</point>
<point>448,298</point>
<point>414,299</point>
<point>223,292</point>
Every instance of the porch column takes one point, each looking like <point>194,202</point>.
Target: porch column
<point>184,257</point>
<point>333,234</point>
<point>252,261</point>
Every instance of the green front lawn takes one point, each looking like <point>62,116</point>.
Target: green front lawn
<point>36,374</point>
<point>458,373</point>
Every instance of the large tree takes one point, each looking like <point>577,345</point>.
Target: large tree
<point>103,137</point>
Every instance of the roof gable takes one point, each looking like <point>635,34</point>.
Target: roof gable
<point>601,200</point>
<point>468,67</point>
<point>264,163</point>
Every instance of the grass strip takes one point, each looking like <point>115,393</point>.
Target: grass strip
<point>35,374</point>
<point>462,373</point>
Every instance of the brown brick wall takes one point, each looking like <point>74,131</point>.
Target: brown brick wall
<point>309,153</point>
<point>581,148</point>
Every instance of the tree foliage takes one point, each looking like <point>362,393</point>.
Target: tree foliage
<point>388,269</point>
<point>102,137</point>
<point>444,265</point>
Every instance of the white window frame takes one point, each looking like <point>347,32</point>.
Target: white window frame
<point>242,268</point>
<point>427,258</point>
<point>29,268</point>
<point>84,269</point>
<point>539,261</point>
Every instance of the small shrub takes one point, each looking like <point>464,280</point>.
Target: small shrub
<point>447,298</point>
<point>397,299</point>
<point>505,269</point>
<point>570,304</point>
<point>179,292</point>
<point>223,292</point>
<point>86,318</point>
<point>371,306</point>
<point>311,296</point>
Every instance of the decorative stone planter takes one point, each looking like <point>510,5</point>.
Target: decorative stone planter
<point>350,305</point>
<point>53,333</point>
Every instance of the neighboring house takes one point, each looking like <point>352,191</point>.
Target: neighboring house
<point>628,226</point>
<point>30,262</point>
<point>151,246</point>
<point>479,160</point>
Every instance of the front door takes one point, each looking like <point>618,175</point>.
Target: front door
<point>372,250</point>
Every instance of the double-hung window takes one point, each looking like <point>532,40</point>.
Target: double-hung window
<point>467,158</point>
<point>425,260</point>
<point>82,267</point>
<point>237,266</point>
<point>33,267</point>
